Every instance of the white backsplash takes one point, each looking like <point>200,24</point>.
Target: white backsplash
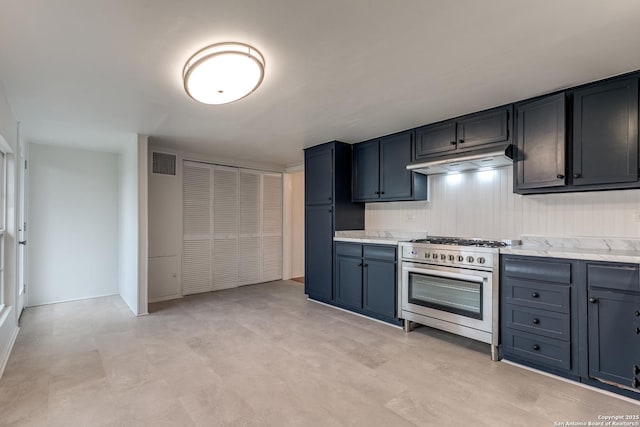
<point>482,204</point>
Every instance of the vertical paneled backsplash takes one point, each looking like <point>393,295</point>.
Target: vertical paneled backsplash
<point>482,204</point>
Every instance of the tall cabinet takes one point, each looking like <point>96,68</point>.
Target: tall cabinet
<point>328,208</point>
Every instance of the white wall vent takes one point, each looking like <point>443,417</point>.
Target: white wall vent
<point>164,164</point>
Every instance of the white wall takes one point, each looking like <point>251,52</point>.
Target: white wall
<point>483,205</point>
<point>296,225</point>
<point>131,289</point>
<point>8,316</point>
<point>73,220</point>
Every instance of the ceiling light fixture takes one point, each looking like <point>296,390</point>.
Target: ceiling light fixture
<point>223,73</point>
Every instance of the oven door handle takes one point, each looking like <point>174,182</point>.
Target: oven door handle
<point>426,271</point>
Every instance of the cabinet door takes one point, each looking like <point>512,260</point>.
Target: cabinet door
<point>395,179</point>
<point>605,136</point>
<point>380,287</point>
<point>540,138</point>
<point>489,127</point>
<point>366,170</point>
<point>434,140</point>
<point>318,177</point>
<point>318,242</point>
<point>349,281</point>
<point>614,337</point>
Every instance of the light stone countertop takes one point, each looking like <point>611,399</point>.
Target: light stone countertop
<point>591,249</point>
<point>377,237</point>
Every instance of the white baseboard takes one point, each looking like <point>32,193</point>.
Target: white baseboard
<point>165,298</point>
<point>73,299</point>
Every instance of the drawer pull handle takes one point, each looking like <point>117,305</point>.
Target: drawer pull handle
<point>635,383</point>
<point>453,143</point>
<point>536,347</point>
<point>593,300</point>
<point>535,321</point>
<point>637,331</point>
<point>535,295</point>
<point>560,176</point>
<point>637,313</point>
<point>636,370</point>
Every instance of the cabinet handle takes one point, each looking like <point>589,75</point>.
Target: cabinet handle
<point>560,176</point>
<point>365,265</point>
<point>637,331</point>
<point>330,198</point>
<point>329,210</point>
<point>535,321</point>
<point>576,175</point>
<point>453,143</point>
<point>593,300</point>
<point>535,295</point>
<point>360,265</point>
<point>635,383</point>
<point>461,141</point>
<point>377,192</point>
<point>636,370</point>
<point>382,192</point>
<point>637,313</point>
<point>536,347</point>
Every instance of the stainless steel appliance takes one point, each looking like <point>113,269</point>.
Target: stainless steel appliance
<point>452,284</point>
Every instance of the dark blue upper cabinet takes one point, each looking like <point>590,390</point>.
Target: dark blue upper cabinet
<point>540,141</point>
<point>474,131</point>
<point>435,140</point>
<point>605,133</point>
<point>395,179</point>
<point>380,170</point>
<point>366,165</point>
<point>319,175</point>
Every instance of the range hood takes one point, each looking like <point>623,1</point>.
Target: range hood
<point>472,160</point>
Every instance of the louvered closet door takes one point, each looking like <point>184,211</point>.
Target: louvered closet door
<point>225,228</point>
<point>196,263</point>
<point>271,227</point>
<point>249,258</point>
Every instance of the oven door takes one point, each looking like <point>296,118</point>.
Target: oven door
<point>459,296</point>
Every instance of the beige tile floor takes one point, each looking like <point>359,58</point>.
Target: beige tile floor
<point>265,356</point>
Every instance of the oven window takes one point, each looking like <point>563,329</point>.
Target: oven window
<point>452,295</point>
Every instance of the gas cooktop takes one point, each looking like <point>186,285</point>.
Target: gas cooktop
<point>458,241</point>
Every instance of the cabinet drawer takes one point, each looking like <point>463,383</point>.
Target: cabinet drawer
<point>538,349</point>
<point>380,252</point>
<point>546,271</point>
<point>539,322</point>
<point>349,249</point>
<point>537,295</point>
<point>623,277</point>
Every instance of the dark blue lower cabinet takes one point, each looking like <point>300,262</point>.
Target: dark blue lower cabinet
<point>379,287</point>
<point>349,281</point>
<point>365,280</point>
<point>318,276</point>
<point>614,338</point>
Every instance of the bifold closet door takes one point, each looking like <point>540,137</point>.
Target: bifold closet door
<point>196,260</point>
<point>271,227</point>
<point>224,256</point>
<point>250,237</point>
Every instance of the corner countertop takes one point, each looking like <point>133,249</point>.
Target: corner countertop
<point>590,249</point>
<point>377,237</point>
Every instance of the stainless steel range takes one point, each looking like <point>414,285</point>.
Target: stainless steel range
<point>452,284</point>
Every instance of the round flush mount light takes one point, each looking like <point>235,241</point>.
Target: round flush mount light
<point>223,73</point>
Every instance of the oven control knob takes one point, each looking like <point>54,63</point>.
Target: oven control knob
<point>443,257</point>
<point>452,257</point>
<point>434,256</point>
<point>480,260</point>
<point>460,258</point>
<point>469,259</point>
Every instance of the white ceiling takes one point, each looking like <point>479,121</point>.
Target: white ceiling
<point>92,73</point>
